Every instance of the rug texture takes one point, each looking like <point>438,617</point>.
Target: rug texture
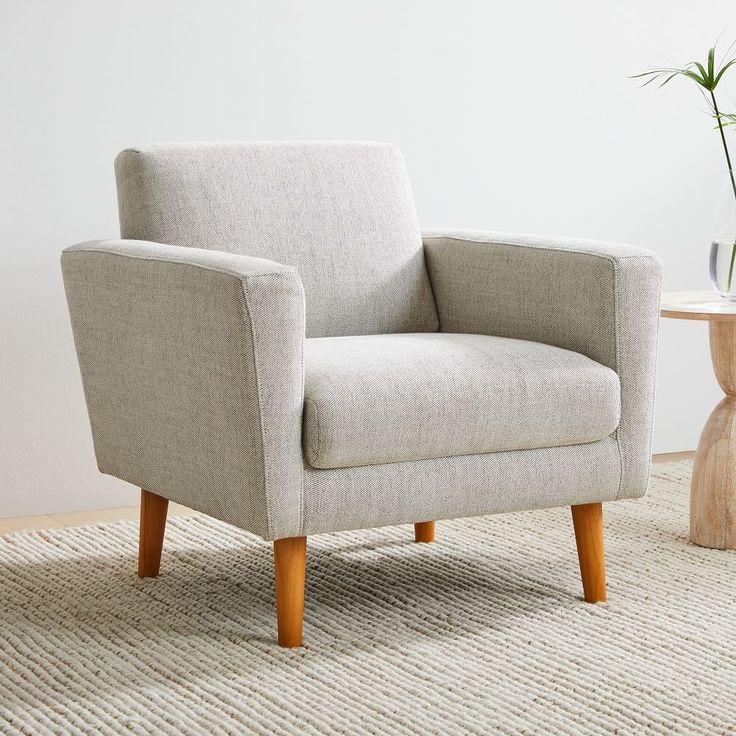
<point>482,632</point>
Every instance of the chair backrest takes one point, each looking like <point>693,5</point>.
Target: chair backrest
<point>341,213</point>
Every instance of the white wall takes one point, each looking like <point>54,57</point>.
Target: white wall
<point>512,116</point>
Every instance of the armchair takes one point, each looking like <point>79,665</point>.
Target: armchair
<point>273,342</point>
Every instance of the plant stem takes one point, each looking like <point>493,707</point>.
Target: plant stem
<point>733,184</point>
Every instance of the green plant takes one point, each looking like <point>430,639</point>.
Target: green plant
<point>706,76</point>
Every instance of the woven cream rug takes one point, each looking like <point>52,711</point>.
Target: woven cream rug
<point>483,632</point>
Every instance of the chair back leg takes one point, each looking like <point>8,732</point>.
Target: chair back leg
<point>424,531</point>
<point>151,540</point>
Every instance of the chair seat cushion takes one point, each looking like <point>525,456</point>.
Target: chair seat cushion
<point>392,398</point>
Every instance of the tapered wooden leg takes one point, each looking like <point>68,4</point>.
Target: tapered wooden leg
<point>151,540</point>
<point>424,531</point>
<point>290,561</point>
<point>588,522</point>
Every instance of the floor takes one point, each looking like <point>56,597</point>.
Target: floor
<point>482,632</point>
<point>125,513</point>
<point>80,518</point>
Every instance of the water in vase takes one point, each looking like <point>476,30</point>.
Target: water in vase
<point>723,267</point>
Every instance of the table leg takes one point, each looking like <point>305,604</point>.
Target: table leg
<point>713,491</point>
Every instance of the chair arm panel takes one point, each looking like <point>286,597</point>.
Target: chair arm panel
<point>192,367</point>
<point>598,299</point>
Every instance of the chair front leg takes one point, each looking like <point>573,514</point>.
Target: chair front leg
<point>587,520</point>
<point>290,562</point>
<point>151,540</point>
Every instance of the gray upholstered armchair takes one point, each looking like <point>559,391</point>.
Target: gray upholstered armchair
<point>275,344</point>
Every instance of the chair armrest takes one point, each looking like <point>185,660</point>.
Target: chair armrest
<point>192,367</point>
<point>598,299</point>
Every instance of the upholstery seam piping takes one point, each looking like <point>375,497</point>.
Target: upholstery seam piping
<point>247,309</point>
<point>301,424</point>
<point>531,246</point>
<point>610,436</point>
<point>618,372</point>
<point>177,262</point>
<point>653,389</point>
<point>316,448</point>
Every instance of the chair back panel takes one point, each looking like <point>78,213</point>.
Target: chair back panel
<point>341,213</point>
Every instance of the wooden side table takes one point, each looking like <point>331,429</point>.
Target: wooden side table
<point>713,490</point>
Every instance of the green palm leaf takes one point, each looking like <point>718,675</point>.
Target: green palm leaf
<point>723,70</point>
<point>706,75</point>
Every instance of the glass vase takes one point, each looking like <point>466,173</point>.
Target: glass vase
<point>723,243</point>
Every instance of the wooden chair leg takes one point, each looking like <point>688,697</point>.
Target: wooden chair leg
<point>151,541</point>
<point>424,531</point>
<point>290,562</point>
<point>587,520</point>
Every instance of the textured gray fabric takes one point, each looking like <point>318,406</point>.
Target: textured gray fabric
<point>452,487</point>
<point>341,213</point>
<point>390,398</point>
<point>601,300</point>
<point>192,357</point>
<point>192,364</point>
